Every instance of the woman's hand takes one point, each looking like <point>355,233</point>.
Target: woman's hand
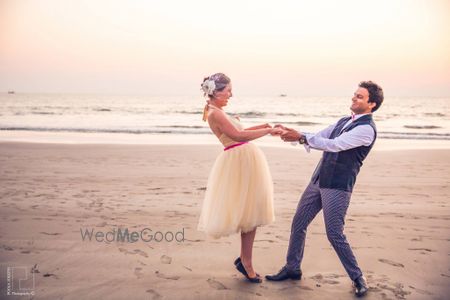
<point>276,131</point>
<point>281,126</point>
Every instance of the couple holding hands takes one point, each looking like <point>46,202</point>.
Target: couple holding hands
<point>239,193</point>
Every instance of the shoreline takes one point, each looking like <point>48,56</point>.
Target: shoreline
<point>70,138</point>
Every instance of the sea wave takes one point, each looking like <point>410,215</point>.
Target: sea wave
<point>299,123</point>
<point>44,113</point>
<point>434,114</point>
<point>259,114</point>
<point>186,129</point>
<point>157,130</point>
<point>413,135</point>
<point>102,109</point>
<point>421,126</point>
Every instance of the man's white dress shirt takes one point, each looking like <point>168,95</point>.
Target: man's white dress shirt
<point>361,135</point>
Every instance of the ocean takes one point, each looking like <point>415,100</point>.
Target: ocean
<point>141,117</point>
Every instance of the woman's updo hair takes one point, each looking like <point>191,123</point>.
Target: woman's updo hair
<point>215,82</point>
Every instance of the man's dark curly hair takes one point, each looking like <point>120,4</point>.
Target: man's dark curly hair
<point>375,93</point>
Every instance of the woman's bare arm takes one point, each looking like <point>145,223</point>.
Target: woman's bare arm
<point>262,126</point>
<point>224,125</point>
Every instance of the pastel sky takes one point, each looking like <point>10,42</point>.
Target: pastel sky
<point>317,48</point>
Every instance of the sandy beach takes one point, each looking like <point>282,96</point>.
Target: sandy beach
<point>398,224</point>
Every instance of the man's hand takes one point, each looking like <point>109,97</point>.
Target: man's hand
<point>290,135</point>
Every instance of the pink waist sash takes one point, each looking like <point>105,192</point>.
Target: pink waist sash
<point>234,145</point>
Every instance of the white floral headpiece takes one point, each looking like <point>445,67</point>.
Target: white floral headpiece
<point>208,87</point>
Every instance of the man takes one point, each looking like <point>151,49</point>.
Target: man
<point>345,145</point>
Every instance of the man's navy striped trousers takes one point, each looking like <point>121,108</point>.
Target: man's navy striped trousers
<point>334,204</point>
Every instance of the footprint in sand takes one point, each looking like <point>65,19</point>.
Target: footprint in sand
<point>161,275</point>
<point>374,289</point>
<point>280,237</point>
<point>327,279</point>
<point>216,284</point>
<point>194,241</point>
<point>50,275</point>
<point>269,241</point>
<point>390,262</point>
<point>423,292</point>
<point>166,259</point>
<point>154,294</point>
<point>397,289</point>
<point>135,251</point>
<point>422,249</point>
<point>140,252</point>
<point>306,288</point>
<point>138,272</point>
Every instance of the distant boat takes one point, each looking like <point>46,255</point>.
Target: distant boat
<point>11,92</point>
<point>283,95</point>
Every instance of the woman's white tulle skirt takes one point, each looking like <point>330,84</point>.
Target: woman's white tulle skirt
<point>239,193</point>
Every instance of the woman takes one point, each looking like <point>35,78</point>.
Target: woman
<point>239,193</point>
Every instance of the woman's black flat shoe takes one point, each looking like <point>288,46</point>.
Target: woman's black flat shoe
<point>240,268</point>
<point>256,279</point>
<point>237,260</point>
